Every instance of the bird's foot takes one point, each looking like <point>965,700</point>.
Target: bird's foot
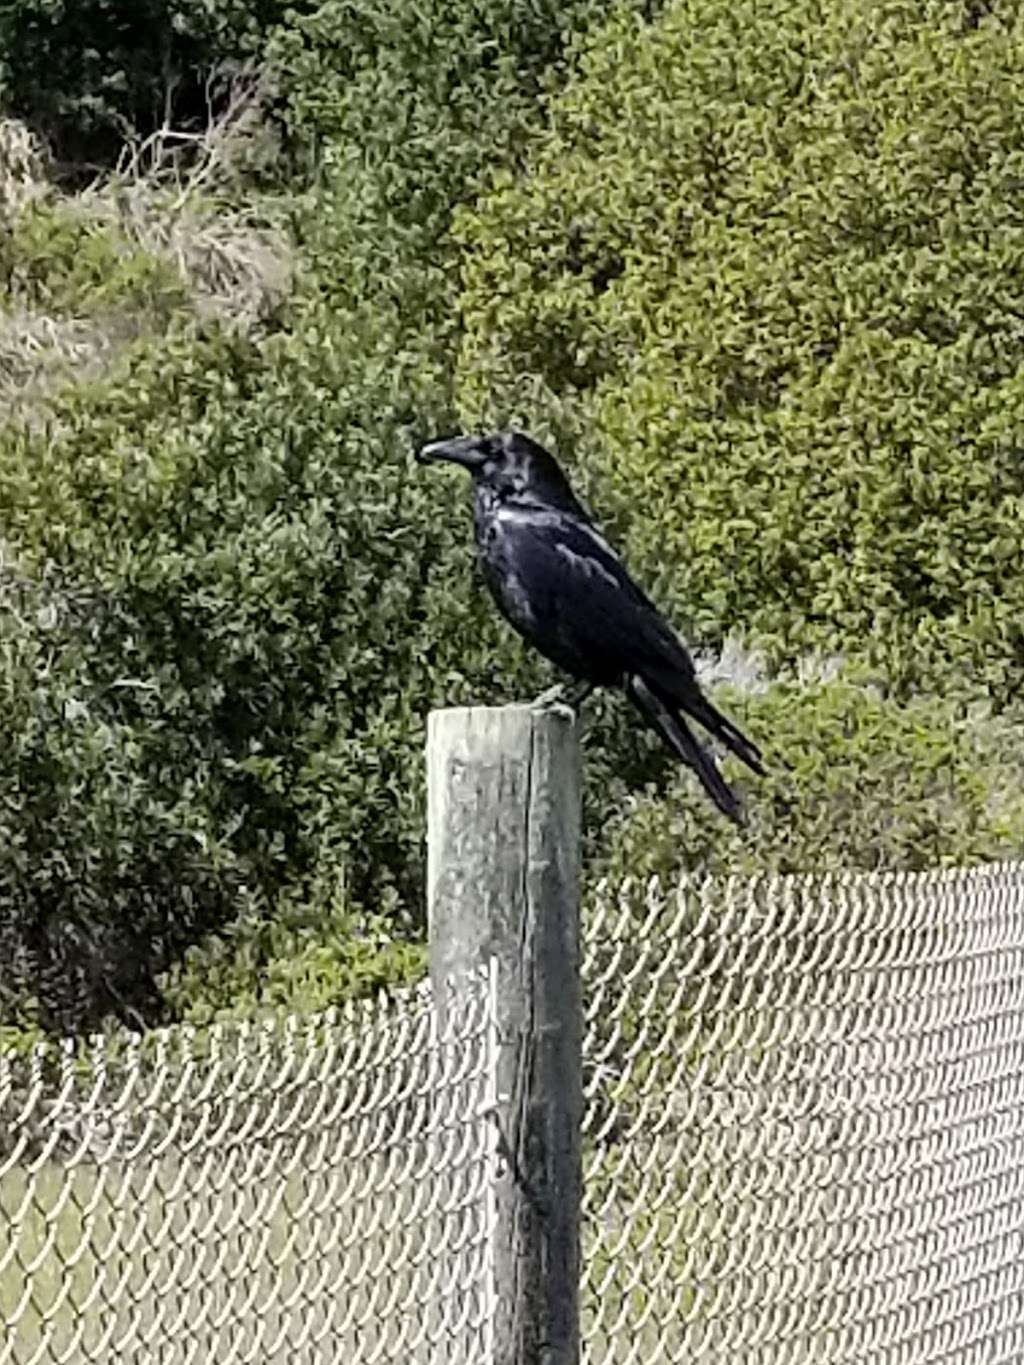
<point>551,696</point>
<point>559,695</point>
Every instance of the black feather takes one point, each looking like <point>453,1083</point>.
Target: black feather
<point>678,736</point>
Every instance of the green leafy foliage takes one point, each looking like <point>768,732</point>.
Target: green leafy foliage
<point>63,262</point>
<point>284,597</point>
<point>279,598</point>
<point>268,633</point>
<point>857,778</point>
<point>311,954</point>
<point>766,273</point>
<point>396,111</point>
<point>107,864</point>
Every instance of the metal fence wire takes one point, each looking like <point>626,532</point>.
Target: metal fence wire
<point>310,1190</point>
<point>805,1121</point>
<point>804,1142</point>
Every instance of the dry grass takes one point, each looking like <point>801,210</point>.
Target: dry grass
<point>23,168</point>
<point>176,195</point>
<point>180,198</point>
<point>39,353</point>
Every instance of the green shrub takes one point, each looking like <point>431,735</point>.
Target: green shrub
<point>283,596</point>
<point>856,779</point>
<point>58,260</point>
<point>396,110</point>
<point>766,276</point>
<point>273,598</point>
<point>231,600</point>
<point>312,953</point>
<point>109,861</point>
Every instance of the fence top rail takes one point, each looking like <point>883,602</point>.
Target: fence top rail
<point>857,879</point>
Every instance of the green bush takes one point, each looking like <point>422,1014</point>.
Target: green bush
<point>279,599</point>
<point>766,276</point>
<point>109,861</point>
<point>59,261</point>
<point>312,953</point>
<point>229,600</point>
<point>857,779</point>
<point>396,111</point>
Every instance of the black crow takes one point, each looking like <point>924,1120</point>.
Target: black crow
<point>559,583</point>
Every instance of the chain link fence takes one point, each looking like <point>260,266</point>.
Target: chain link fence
<point>805,1121</point>
<point>312,1190</point>
<point>804,1142</point>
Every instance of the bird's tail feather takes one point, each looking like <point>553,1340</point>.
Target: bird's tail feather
<point>723,729</point>
<point>677,735</point>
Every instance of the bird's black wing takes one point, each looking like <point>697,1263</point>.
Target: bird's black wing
<point>565,590</point>
<point>562,586</point>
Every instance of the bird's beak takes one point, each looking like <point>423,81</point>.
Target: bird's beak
<point>463,450</point>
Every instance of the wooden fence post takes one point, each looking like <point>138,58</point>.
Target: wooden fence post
<point>503,880</point>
